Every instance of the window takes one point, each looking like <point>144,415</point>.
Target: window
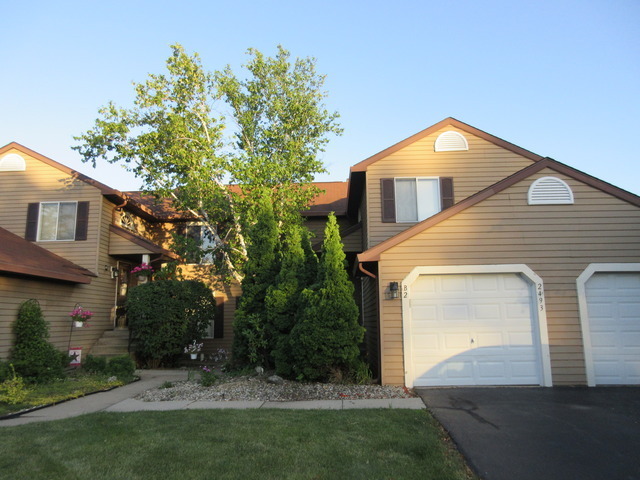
<point>56,221</point>
<point>201,237</point>
<point>415,199</point>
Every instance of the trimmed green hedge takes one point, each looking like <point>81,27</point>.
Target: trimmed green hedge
<point>165,315</point>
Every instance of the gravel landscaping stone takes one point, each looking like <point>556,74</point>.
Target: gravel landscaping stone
<point>247,388</point>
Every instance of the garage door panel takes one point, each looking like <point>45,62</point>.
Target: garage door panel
<point>484,323</point>
<point>453,313</point>
<point>614,327</point>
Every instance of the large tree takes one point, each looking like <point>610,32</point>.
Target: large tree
<point>172,140</point>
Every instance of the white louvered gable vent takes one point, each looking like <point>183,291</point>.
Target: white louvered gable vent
<point>451,142</point>
<point>550,191</point>
<point>12,163</point>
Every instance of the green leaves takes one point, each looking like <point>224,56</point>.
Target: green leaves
<point>174,142</point>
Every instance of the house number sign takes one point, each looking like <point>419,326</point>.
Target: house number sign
<point>540,293</point>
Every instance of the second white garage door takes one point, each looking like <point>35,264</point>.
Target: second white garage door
<point>613,301</point>
<point>475,329</point>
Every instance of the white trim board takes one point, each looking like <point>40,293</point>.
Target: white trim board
<point>585,325</point>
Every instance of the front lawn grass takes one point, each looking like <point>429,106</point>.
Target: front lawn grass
<point>56,391</point>
<point>233,444</point>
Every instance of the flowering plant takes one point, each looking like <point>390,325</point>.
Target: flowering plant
<point>80,315</point>
<point>143,269</point>
<point>193,347</point>
<point>207,377</point>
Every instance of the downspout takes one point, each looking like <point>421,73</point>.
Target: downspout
<point>366,272</point>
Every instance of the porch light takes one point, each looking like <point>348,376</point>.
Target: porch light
<point>393,290</point>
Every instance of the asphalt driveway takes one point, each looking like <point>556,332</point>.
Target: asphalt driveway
<point>524,433</point>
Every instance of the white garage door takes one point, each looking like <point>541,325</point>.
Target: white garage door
<point>613,303</point>
<point>474,329</point>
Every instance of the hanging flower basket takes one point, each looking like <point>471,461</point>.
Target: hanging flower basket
<point>80,317</point>
<point>143,272</point>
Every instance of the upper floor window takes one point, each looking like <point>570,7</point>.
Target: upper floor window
<point>201,238</point>
<point>549,191</point>
<point>451,141</point>
<point>415,199</point>
<point>56,221</point>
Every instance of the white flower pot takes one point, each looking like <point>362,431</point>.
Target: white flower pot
<point>78,324</point>
<point>194,356</point>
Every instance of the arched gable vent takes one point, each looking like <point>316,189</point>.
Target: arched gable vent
<point>550,191</point>
<point>12,163</point>
<point>450,142</point>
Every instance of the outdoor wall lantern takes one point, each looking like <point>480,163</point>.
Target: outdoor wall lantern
<point>393,290</point>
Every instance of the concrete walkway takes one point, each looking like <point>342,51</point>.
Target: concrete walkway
<point>122,400</point>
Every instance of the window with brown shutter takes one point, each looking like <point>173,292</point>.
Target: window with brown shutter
<point>412,199</point>
<point>82,221</point>
<point>446,192</point>
<point>218,323</point>
<point>388,200</point>
<point>31,232</point>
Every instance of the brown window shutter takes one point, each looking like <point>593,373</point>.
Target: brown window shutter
<point>446,192</point>
<point>388,196</point>
<point>82,220</point>
<point>218,323</point>
<point>31,232</point>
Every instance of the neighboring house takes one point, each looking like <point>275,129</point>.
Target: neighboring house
<point>66,240</point>
<point>509,268</point>
<point>476,262</point>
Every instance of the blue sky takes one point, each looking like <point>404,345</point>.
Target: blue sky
<point>560,78</point>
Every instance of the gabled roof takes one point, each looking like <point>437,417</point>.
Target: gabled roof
<point>20,256</point>
<point>450,121</point>
<point>373,254</point>
<point>358,171</point>
<point>112,194</point>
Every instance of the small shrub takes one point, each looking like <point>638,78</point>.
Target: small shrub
<point>95,364</point>
<point>122,367</point>
<point>33,357</point>
<point>166,384</point>
<point>13,390</point>
<point>207,377</point>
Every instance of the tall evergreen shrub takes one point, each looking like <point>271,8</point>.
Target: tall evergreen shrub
<point>250,339</point>
<point>33,357</point>
<point>326,335</point>
<point>297,269</point>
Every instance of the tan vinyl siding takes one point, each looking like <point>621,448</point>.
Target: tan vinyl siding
<point>556,241</point>
<point>43,183</point>
<point>40,183</point>
<point>369,308</point>
<point>352,242</point>
<point>471,170</point>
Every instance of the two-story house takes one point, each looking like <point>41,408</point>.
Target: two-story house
<point>486,264</point>
<point>476,262</point>
<point>67,240</point>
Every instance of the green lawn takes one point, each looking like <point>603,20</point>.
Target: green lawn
<point>233,444</point>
